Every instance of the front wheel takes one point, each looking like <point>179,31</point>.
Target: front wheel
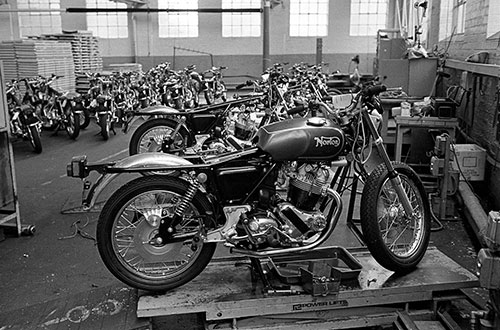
<point>72,124</point>
<point>35,141</point>
<point>128,228</point>
<point>396,240</point>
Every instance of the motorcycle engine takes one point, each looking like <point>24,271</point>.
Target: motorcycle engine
<point>297,218</point>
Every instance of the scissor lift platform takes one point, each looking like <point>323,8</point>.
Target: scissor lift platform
<point>227,296</point>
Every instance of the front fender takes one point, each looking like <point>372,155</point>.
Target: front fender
<point>146,161</point>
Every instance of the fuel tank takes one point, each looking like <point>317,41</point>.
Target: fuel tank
<point>312,139</point>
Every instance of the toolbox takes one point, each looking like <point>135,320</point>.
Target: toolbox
<point>444,107</point>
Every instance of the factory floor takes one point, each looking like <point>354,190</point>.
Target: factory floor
<point>46,275</point>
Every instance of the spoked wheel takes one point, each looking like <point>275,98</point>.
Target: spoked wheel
<point>150,136</point>
<point>397,241</point>
<point>128,226</point>
<point>34,137</point>
<point>72,124</point>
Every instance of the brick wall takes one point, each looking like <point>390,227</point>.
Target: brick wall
<point>479,118</point>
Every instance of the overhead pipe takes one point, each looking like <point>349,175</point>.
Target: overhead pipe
<point>133,10</point>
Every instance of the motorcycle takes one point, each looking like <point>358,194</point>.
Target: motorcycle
<point>102,105</point>
<point>197,131</point>
<point>23,121</point>
<point>159,232</point>
<point>212,85</point>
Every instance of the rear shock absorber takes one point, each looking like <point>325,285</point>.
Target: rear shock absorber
<point>167,225</point>
<point>187,198</point>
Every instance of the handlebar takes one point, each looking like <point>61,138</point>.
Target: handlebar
<point>374,90</point>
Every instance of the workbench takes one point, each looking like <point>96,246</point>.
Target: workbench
<point>228,298</point>
<point>406,122</point>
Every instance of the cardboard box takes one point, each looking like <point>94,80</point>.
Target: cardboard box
<point>470,161</point>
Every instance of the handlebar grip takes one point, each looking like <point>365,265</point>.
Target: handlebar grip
<point>297,109</point>
<point>375,90</point>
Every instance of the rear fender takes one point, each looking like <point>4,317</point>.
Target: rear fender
<point>146,161</point>
<point>152,111</point>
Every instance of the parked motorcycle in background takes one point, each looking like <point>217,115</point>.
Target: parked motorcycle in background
<point>23,121</point>
<point>55,108</point>
<point>102,106</point>
<point>212,85</point>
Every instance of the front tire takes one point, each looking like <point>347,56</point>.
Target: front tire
<point>125,230</point>
<point>35,141</point>
<point>72,124</point>
<point>396,241</point>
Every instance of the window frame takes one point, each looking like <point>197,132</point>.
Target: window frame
<point>493,23</point>
<point>317,21</point>
<point>99,23</point>
<point>234,22</point>
<point>27,28</point>
<point>368,14</point>
<point>172,31</point>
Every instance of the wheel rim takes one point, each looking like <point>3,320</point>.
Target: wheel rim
<point>151,140</point>
<point>137,223</point>
<point>401,235</point>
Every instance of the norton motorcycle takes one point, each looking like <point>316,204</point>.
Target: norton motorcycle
<point>278,197</point>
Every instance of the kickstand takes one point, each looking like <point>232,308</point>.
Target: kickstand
<point>258,272</point>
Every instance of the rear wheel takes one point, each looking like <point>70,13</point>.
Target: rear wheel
<point>128,227</point>
<point>151,135</point>
<point>84,118</point>
<point>104,124</point>
<point>397,241</point>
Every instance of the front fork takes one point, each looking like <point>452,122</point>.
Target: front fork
<point>394,176</point>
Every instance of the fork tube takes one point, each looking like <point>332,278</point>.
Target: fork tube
<point>393,174</point>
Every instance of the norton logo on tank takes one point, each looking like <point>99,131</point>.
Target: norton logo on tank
<point>327,141</point>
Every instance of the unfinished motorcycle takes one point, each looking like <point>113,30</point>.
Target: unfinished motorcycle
<point>280,197</point>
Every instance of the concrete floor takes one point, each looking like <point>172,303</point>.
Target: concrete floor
<point>60,261</point>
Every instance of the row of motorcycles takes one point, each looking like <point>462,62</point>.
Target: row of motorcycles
<point>262,174</point>
<point>35,105</point>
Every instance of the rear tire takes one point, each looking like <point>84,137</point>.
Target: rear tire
<point>124,233</point>
<point>385,224</point>
<point>104,124</point>
<point>84,118</point>
<point>148,137</point>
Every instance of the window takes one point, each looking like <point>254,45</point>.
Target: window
<point>107,25</point>
<point>178,24</point>
<point>445,19</point>
<point>241,24</point>
<point>367,17</point>
<point>309,18</point>
<point>493,18</point>
<point>460,10</point>
<point>37,23</point>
